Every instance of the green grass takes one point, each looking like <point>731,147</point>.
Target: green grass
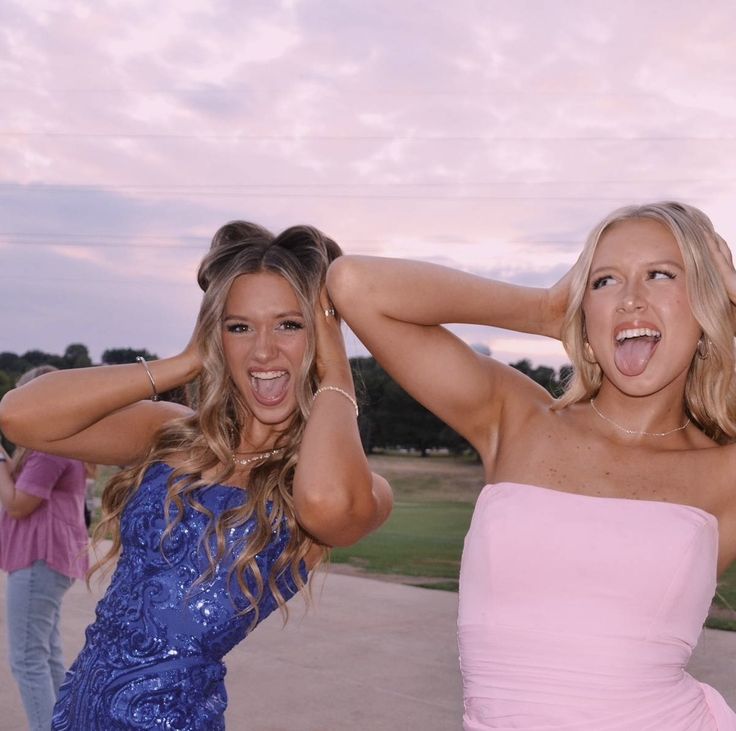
<point>418,540</point>
<point>723,614</point>
<point>727,588</point>
<point>719,623</point>
<point>423,537</point>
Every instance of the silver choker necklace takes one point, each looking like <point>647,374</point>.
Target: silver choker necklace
<point>256,458</point>
<point>635,433</point>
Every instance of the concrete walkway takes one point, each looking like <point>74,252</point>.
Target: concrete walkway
<point>369,656</point>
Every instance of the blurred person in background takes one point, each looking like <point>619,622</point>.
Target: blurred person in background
<point>43,547</point>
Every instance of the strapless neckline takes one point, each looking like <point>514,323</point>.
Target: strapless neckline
<point>606,498</point>
<point>580,612</point>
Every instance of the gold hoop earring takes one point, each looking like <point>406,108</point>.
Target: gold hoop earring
<point>703,348</point>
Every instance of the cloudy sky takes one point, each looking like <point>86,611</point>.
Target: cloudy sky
<point>485,135</point>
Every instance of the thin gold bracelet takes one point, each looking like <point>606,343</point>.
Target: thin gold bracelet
<point>322,389</point>
<point>142,361</point>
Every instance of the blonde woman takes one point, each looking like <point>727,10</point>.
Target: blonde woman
<point>43,547</point>
<point>223,510</point>
<point>593,551</point>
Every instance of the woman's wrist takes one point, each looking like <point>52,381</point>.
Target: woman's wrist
<point>340,376</point>
<point>191,363</point>
<point>154,395</point>
<point>168,373</point>
<point>549,319</point>
<point>341,392</point>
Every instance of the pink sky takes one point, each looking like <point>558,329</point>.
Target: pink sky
<point>485,135</point>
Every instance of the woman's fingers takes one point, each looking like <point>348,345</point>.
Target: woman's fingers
<point>553,314</point>
<point>325,307</point>
<point>330,345</point>
<point>724,261</point>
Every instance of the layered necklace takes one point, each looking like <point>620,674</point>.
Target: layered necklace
<point>256,457</point>
<point>634,432</point>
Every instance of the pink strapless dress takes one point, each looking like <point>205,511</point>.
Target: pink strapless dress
<point>580,612</point>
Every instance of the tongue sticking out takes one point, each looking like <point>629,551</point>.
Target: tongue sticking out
<point>270,389</point>
<point>633,354</point>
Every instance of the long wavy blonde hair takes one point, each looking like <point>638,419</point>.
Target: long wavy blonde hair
<point>710,390</point>
<point>205,441</point>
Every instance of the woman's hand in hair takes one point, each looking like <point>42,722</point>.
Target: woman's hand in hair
<point>724,261</point>
<point>331,360</point>
<point>191,358</point>
<point>553,312</point>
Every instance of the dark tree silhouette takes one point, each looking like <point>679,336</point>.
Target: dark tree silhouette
<point>76,355</point>
<point>119,356</point>
<point>390,418</point>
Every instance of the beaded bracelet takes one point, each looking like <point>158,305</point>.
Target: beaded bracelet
<point>321,389</point>
<point>142,361</point>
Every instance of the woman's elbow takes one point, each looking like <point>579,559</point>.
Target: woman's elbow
<point>341,280</point>
<point>18,417</point>
<point>8,420</point>
<point>337,522</point>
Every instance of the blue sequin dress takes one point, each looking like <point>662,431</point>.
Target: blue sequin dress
<point>153,657</point>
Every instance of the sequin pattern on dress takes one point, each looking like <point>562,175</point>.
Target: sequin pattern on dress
<point>153,657</point>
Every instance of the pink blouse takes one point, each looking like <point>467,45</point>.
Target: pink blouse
<point>55,531</point>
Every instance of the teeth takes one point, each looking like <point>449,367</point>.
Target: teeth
<point>637,333</point>
<point>267,375</point>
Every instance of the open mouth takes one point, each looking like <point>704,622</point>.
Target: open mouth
<point>269,387</point>
<point>634,349</point>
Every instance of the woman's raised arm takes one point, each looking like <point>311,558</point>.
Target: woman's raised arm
<point>397,307</point>
<point>337,498</point>
<point>98,414</point>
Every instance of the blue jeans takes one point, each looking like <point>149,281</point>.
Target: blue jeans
<point>34,597</point>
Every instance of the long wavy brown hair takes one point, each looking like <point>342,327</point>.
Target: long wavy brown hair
<point>205,441</point>
<point>710,390</point>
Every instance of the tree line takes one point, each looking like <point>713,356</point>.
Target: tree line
<point>76,355</point>
<point>389,417</point>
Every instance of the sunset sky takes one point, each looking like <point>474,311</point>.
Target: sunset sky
<point>489,136</point>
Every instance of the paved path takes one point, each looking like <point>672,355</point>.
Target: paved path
<point>369,656</point>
